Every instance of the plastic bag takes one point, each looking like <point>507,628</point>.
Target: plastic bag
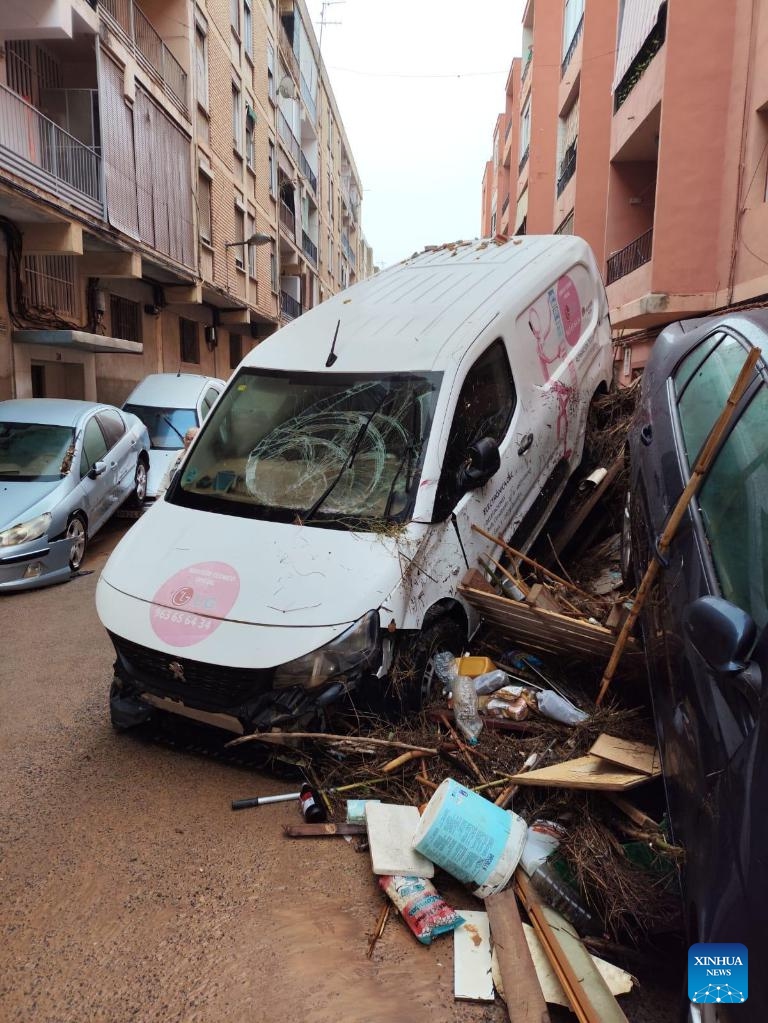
<point>490,682</point>
<point>419,904</point>
<point>445,667</point>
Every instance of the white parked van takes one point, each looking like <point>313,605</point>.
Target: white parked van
<point>169,404</point>
<point>314,540</point>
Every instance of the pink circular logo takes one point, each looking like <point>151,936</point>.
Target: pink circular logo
<point>570,309</point>
<point>191,605</point>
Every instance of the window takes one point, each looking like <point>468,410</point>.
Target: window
<point>251,225</point>
<point>484,409</point>
<point>574,12</point>
<point>201,65</point>
<point>235,350</point>
<point>237,119</point>
<point>234,15</point>
<point>271,73</point>
<point>734,507</point>
<point>330,195</point>
<point>126,318</point>
<point>212,394</point>
<point>204,207</point>
<point>703,392</point>
<point>112,426</point>
<point>250,127</point>
<point>525,129</point>
<point>272,171</point>
<point>330,254</point>
<point>248,28</point>
<point>189,342</point>
<point>239,237</point>
<point>94,447</point>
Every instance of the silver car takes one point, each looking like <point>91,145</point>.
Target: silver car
<point>65,467</point>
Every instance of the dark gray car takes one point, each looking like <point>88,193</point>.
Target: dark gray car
<point>706,626</point>
<point>65,467</point>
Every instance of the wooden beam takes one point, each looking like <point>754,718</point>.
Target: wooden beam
<point>59,239</point>
<point>111,264</point>
<point>525,1000</point>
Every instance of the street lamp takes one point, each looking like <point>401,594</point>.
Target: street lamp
<point>255,239</point>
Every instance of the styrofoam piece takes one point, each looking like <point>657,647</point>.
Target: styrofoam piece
<point>390,837</point>
<point>472,978</point>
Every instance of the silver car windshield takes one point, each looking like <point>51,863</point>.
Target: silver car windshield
<point>327,448</point>
<point>166,426</point>
<point>35,452</point>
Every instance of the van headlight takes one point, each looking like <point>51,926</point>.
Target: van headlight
<point>23,532</point>
<point>357,647</point>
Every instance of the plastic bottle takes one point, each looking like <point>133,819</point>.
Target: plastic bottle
<point>555,707</point>
<point>312,809</point>
<point>465,708</point>
<point>558,894</point>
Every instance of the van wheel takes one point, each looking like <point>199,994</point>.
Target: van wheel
<point>77,534</point>
<point>414,683</point>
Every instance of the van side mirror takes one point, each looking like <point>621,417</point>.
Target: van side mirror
<point>97,469</point>
<point>482,462</point>
<point>721,632</point>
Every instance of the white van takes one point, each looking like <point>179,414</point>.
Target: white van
<point>315,537</point>
<point>169,404</point>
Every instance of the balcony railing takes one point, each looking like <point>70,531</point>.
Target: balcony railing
<point>309,247</point>
<point>309,102</point>
<point>35,148</point>
<point>653,43</point>
<point>504,205</point>
<point>289,139</point>
<point>347,250</point>
<point>288,219</point>
<point>307,171</point>
<point>288,52</point>
<point>289,306</point>
<point>630,257</point>
<point>572,46</point>
<point>138,33</point>
<point>523,160</point>
<point>527,65</point>
<point>567,168</point>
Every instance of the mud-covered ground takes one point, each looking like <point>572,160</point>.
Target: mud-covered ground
<point>130,891</point>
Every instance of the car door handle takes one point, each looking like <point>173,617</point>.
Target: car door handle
<point>646,434</point>
<point>525,443</point>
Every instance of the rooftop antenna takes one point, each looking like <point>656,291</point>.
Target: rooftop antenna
<point>332,356</point>
<point>323,20</point>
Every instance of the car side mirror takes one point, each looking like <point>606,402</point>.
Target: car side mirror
<point>481,464</point>
<point>97,469</point>
<point>722,633</point>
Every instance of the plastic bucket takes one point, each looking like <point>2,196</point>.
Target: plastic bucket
<point>474,840</point>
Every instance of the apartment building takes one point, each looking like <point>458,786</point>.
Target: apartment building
<point>653,145</point>
<point>175,183</point>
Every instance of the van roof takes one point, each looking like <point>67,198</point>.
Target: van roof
<point>170,390</point>
<point>423,313</point>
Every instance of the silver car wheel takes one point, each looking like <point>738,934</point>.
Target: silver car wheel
<point>140,486</point>
<point>77,534</point>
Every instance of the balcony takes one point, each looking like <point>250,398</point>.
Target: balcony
<point>289,140</point>
<point>130,23</point>
<point>37,149</point>
<point>567,168</point>
<point>527,65</point>
<point>523,160</point>
<point>309,247</point>
<point>309,102</point>
<point>288,219</point>
<point>347,250</point>
<point>286,50</point>
<point>504,205</point>
<point>630,258</point>
<point>307,171</point>
<point>289,306</point>
<point>572,46</point>
<point>644,57</point>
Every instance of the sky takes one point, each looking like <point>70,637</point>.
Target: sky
<point>419,84</point>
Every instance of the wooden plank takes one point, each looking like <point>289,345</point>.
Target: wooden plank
<point>584,987</point>
<point>539,596</point>
<point>472,978</point>
<point>523,993</point>
<point>589,772</point>
<point>475,580</point>
<point>636,756</point>
<point>635,815</point>
<point>322,830</point>
<point>619,981</point>
<point>577,520</point>
<point>391,828</point>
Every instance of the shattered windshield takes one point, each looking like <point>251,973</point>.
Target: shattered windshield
<point>35,452</point>
<point>329,448</point>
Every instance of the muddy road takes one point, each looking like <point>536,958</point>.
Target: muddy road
<point>130,891</point>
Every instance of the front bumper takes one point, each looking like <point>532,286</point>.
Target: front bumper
<point>36,563</point>
<point>238,700</point>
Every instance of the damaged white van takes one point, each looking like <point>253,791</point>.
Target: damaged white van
<point>312,544</point>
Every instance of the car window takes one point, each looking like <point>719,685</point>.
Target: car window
<point>112,426</point>
<point>484,409</point>
<point>166,426</point>
<point>734,506</point>
<point>705,394</point>
<point>94,446</point>
<point>210,397</point>
<point>693,361</point>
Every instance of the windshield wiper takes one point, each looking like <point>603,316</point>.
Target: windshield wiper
<point>165,419</point>
<point>347,461</point>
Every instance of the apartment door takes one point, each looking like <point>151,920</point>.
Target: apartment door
<point>57,379</point>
